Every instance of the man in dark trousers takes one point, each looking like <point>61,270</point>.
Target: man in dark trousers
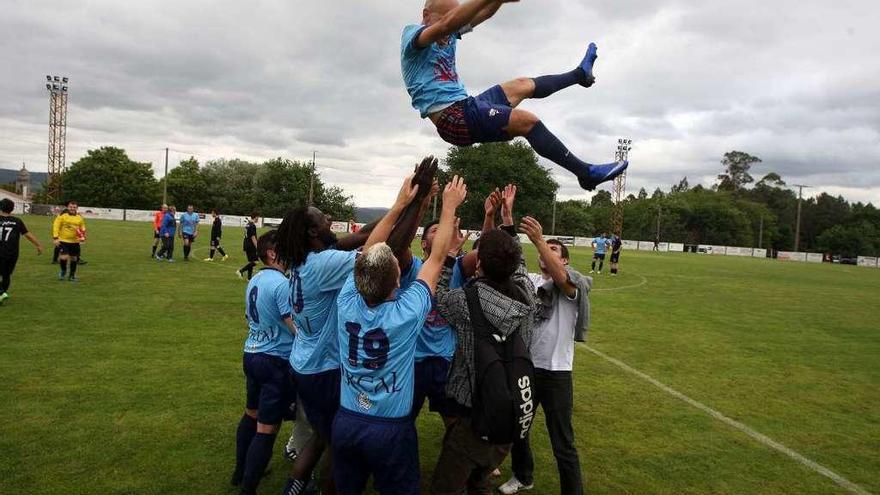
<point>250,247</point>
<point>216,234</point>
<point>562,316</point>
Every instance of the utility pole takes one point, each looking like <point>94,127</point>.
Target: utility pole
<point>659,209</point>
<point>57,87</point>
<point>797,228</point>
<point>165,180</point>
<point>553,224</point>
<point>761,233</point>
<point>312,178</point>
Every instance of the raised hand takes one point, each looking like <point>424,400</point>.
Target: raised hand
<point>424,175</point>
<point>493,201</point>
<point>454,193</point>
<point>508,197</point>
<point>458,239</point>
<point>407,192</point>
<point>531,228</point>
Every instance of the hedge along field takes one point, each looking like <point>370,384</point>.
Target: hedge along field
<point>130,381</point>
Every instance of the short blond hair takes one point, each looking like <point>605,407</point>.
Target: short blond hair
<point>375,273</point>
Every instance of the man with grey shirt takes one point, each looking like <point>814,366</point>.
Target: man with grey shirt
<point>507,299</point>
<point>562,316</point>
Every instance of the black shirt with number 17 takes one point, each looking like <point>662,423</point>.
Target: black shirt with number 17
<point>11,230</point>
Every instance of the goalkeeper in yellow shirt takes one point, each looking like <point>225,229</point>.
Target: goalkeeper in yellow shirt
<point>68,231</point>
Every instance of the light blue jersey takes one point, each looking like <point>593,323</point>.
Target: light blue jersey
<point>188,222</point>
<point>601,244</point>
<point>267,304</point>
<point>314,286</point>
<point>438,337</point>
<point>429,73</point>
<point>378,349</point>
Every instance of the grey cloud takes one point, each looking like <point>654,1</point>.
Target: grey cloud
<point>793,83</point>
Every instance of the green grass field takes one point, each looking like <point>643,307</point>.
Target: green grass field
<point>130,382</point>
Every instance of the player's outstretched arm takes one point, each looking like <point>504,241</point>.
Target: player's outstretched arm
<point>488,12</point>
<point>453,196</point>
<point>405,229</point>
<point>357,239</point>
<point>33,240</point>
<point>453,21</point>
<point>555,268</point>
<point>383,228</point>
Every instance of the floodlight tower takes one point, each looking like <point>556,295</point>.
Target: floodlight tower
<point>623,147</point>
<point>57,87</point>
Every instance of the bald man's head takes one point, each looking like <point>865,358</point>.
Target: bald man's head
<point>435,9</point>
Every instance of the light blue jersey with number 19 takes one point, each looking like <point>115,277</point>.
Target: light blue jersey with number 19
<point>378,345</point>
<point>314,286</point>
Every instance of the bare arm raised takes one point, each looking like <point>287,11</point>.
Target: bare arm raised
<point>453,196</point>
<point>455,19</point>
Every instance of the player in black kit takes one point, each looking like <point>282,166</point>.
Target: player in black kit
<point>250,247</point>
<point>216,234</point>
<point>11,230</point>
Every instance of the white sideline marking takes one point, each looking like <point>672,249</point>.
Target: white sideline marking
<point>633,286</point>
<point>764,439</point>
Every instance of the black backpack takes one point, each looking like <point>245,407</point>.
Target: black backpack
<point>503,395</point>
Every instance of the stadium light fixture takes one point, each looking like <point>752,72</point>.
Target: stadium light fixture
<point>48,86</point>
<point>64,80</point>
<point>49,78</point>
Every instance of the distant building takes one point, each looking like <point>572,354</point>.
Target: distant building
<point>23,184</point>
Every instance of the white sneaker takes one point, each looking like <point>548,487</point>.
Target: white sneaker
<point>239,275</point>
<point>514,485</point>
<point>592,271</point>
<point>599,272</point>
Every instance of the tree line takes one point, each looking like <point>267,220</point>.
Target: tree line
<point>735,211</point>
<point>108,178</point>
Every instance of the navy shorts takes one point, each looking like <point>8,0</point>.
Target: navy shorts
<point>319,394</point>
<point>270,387</point>
<point>69,248</point>
<point>487,114</point>
<point>615,257</point>
<point>156,235</point>
<point>476,119</point>
<point>386,448</point>
<point>189,237</point>
<point>431,375</point>
<point>215,241</point>
<point>600,256</point>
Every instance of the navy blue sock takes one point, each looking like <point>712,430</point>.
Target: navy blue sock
<point>258,456</point>
<point>247,428</point>
<point>550,147</point>
<point>63,267</point>
<point>72,268</point>
<point>547,85</point>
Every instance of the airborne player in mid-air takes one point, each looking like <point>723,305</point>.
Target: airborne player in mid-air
<point>428,65</point>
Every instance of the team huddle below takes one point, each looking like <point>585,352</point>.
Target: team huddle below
<point>352,336</point>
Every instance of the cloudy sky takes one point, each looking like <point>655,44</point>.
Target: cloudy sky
<point>796,83</point>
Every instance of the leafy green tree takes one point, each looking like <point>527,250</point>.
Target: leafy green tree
<point>736,170</point>
<point>187,185</point>
<point>573,217</point>
<point>487,166</point>
<point>107,177</point>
